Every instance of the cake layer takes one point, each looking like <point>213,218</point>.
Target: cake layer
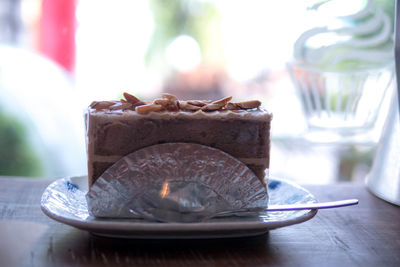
<point>114,135</point>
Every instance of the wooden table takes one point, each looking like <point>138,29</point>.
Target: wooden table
<point>363,235</point>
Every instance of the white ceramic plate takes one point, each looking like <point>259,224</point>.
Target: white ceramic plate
<point>64,201</point>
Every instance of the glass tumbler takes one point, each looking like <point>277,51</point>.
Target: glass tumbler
<point>343,102</point>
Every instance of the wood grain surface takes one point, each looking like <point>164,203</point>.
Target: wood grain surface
<point>363,235</point>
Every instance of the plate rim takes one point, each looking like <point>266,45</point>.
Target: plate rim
<point>146,229</point>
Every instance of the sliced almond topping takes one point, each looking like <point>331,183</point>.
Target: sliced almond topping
<point>185,105</point>
<point>98,105</point>
<point>232,106</point>
<point>223,101</point>
<point>162,102</point>
<point>171,105</point>
<point>212,107</point>
<point>169,102</point>
<point>216,105</point>
<point>120,105</point>
<point>169,96</point>
<point>131,99</point>
<point>198,103</point>
<point>249,104</point>
<point>145,109</point>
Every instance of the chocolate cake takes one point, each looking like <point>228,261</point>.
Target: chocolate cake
<point>118,128</point>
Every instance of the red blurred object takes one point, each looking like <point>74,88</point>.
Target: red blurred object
<point>57,32</point>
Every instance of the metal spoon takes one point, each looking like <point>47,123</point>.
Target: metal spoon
<point>170,216</point>
<point>318,205</point>
<point>289,207</point>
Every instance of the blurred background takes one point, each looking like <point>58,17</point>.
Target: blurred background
<point>56,57</point>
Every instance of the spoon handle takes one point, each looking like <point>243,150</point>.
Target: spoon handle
<point>318,205</point>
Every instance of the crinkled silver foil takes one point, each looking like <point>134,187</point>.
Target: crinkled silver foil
<point>175,182</point>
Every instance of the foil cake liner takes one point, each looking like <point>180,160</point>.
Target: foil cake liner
<point>175,182</point>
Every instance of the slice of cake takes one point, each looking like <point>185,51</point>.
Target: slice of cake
<point>118,128</point>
